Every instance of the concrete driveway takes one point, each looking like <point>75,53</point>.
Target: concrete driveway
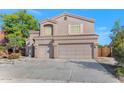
<point>54,71</point>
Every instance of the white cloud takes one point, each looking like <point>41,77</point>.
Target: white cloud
<point>35,12</point>
<point>104,35</point>
<point>102,28</point>
<point>103,31</point>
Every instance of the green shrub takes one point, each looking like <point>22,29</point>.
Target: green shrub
<point>14,56</point>
<point>118,48</point>
<point>2,47</point>
<point>120,71</point>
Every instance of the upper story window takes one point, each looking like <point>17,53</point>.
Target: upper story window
<point>48,30</point>
<point>75,29</point>
<point>65,18</point>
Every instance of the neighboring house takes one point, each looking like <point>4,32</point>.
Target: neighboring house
<point>65,36</point>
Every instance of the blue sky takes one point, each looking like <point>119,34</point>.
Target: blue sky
<point>104,19</point>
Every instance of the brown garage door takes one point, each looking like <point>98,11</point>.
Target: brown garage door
<point>45,51</point>
<point>75,51</point>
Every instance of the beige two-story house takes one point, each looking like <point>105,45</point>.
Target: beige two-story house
<point>65,36</point>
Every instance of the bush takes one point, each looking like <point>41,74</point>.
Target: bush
<point>3,52</point>
<point>120,71</point>
<point>14,56</point>
<point>2,47</point>
<point>118,48</point>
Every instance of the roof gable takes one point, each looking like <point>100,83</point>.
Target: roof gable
<point>48,20</point>
<point>74,16</point>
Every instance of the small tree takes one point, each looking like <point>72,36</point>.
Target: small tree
<point>17,26</point>
<point>118,46</point>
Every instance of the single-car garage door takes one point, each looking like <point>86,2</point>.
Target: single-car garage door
<point>45,51</point>
<point>75,51</point>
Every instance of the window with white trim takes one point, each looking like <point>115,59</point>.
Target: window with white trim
<point>75,29</point>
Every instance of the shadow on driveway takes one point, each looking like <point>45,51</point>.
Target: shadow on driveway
<point>97,66</point>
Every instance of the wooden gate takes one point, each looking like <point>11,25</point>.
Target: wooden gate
<point>105,52</point>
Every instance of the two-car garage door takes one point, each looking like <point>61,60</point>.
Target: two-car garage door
<point>75,51</point>
<point>66,51</point>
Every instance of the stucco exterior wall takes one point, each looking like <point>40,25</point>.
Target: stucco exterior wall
<point>61,27</point>
<point>81,45</point>
<point>34,34</point>
<point>56,41</point>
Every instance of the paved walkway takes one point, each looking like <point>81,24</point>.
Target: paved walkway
<point>54,71</point>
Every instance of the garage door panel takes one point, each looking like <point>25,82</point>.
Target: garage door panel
<point>43,52</point>
<point>75,51</point>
